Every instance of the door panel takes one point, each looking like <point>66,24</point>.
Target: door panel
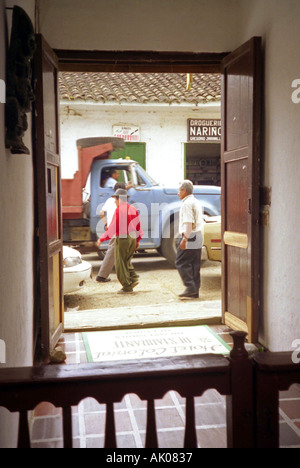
<point>240,167</point>
<point>48,196</point>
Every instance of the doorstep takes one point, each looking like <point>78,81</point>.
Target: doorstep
<point>183,313</point>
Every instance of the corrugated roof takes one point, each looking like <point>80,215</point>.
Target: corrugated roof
<point>140,88</point>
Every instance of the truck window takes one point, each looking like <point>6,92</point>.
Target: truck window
<point>136,178</point>
<point>125,175</point>
<point>140,180</point>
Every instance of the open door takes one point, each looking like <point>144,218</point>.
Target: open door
<point>240,169</point>
<point>47,198</point>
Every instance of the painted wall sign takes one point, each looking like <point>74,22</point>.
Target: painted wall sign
<point>204,129</point>
<point>127,132</point>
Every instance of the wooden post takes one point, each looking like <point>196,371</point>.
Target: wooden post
<point>23,436</point>
<point>274,372</point>
<point>110,440</point>
<point>67,427</point>
<point>190,436</point>
<point>240,405</point>
<point>151,432</point>
<point>267,410</point>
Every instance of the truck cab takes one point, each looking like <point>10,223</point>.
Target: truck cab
<point>158,206</point>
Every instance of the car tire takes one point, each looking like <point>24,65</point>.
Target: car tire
<point>168,248</point>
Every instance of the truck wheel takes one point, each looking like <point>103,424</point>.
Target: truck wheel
<point>168,247</point>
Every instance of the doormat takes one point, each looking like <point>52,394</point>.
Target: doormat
<point>118,345</point>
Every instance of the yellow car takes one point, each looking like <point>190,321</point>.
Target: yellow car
<point>212,238</point>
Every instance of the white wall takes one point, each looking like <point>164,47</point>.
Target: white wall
<point>164,130</point>
<point>216,26</point>
<point>16,251</point>
<point>169,25</point>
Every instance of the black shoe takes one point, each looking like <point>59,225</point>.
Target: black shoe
<point>189,294</point>
<point>100,279</point>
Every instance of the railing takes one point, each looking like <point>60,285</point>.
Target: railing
<point>241,378</point>
<point>273,372</point>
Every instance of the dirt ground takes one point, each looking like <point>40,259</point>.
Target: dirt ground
<point>159,283</point>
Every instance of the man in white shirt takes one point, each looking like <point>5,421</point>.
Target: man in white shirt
<point>112,179</point>
<point>191,224</point>
<point>106,214</point>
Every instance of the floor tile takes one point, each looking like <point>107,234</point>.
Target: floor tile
<point>55,444</point>
<point>212,437</point>
<point>126,441</point>
<point>47,428</point>
<point>123,421</point>
<point>94,423</point>
<point>167,418</point>
<point>292,392</point>
<point>170,439</point>
<point>291,408</point>
<point>95,442</point>
<point>288,437</point>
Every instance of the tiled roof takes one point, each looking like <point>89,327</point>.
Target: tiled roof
<point>141,88</point>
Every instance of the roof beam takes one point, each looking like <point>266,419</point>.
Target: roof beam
<point>139,61</point>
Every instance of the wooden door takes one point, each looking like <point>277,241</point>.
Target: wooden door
<point>240,167</point>
<point>48,197</point>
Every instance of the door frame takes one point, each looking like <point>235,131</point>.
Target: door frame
<point>139,61</point>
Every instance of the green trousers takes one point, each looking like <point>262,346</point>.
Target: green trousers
<point>124,251</point>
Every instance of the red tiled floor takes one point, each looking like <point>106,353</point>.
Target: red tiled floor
<point>130,415</point>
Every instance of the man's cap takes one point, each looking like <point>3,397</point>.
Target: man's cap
<point>120,193</point>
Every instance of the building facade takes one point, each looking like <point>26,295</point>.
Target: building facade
<point>179,128</point>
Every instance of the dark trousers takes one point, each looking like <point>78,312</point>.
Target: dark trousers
<point>188,263</point>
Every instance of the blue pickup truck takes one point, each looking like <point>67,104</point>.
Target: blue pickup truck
<point>158,206</point>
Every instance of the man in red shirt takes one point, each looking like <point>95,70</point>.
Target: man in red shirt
<point>126,227</point>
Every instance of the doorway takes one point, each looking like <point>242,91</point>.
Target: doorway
<point>162,128</point>
<point>187,63</point>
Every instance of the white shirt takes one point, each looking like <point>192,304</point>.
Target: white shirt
<point>110,183</point>
<point>191,211</point>
<point>109,207</point>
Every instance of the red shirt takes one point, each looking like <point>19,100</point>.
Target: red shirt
<point>126,220</point>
